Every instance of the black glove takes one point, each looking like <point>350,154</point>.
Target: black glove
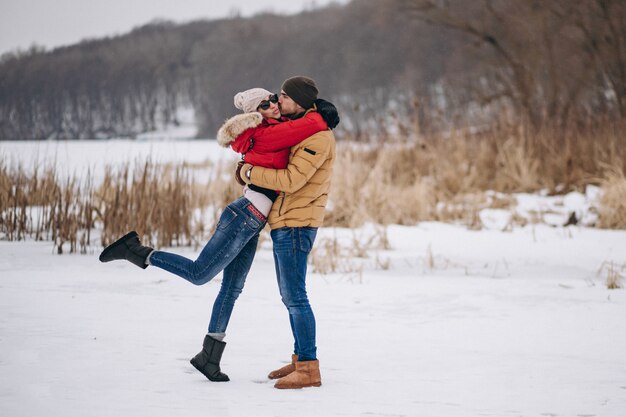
<point>328,111</point>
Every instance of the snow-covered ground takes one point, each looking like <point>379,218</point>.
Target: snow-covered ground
<point>447,322</point>
<point>462,323</point>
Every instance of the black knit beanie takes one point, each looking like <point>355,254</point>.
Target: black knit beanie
<point>302,90</point>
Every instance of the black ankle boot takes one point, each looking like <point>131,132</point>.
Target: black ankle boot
<point>208,360</point>
<point>129,248</point>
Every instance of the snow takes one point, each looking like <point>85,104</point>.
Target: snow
<point>498,219</point>
<point>445,321</point>
<point>540,208</point>
<point>500,324</point>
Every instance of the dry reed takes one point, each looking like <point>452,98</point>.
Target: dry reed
<point>613,274</point>
<point>445,177</point>
<point>331,256</point>
<point>612,207</point>
<point>159,201</point>
<point>153,199</point>
<point>440,177</point>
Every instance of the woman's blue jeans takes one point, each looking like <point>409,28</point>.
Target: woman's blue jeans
<point>231,249</point>
<point>292,246</point>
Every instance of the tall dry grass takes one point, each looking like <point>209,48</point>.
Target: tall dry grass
<point>40,205</point>
<point>164,203</point>
<point>154,200</point>
<point>403,181</point>
<point>444,177</point>
<point>612,207</point>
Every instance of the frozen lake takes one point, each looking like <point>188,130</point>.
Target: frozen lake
<point>70,157</point>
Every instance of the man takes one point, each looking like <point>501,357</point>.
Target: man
<point>294,219</point>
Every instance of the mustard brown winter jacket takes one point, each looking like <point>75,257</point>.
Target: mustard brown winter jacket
<point>305,182</point>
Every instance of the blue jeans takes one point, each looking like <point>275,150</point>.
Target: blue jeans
<point>292,246</point>
<point>231,249</point>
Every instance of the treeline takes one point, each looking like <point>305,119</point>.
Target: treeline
<point>401,67</point>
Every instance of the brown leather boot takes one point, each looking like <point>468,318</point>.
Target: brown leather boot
<point>285,370</point>
<point>307,374</point>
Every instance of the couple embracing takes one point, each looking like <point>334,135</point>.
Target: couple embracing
<point>287,152</point>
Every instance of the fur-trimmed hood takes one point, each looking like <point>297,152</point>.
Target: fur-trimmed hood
<point>236,125</point>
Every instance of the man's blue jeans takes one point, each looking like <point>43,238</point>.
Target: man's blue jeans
<point>292,246</point>
<point>231,249</point>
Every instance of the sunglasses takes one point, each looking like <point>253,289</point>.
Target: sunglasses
<point>265,104</point>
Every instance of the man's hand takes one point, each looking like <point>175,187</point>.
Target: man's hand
<point>242,173</point>
<point>328,111</point>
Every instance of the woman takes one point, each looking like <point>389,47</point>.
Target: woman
<point>264,139</point>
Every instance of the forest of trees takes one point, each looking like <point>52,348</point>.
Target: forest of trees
<point>388,65</point>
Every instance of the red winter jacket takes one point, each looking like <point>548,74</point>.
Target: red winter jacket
<point>268,144</point>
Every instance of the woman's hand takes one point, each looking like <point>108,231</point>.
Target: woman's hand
<point>242,173</point>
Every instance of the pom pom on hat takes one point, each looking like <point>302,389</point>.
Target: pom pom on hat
<point>249,100</point>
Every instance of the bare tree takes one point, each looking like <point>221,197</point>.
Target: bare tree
<point>537,60</point>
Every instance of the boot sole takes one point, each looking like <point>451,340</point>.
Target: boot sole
<point>207,376</point>
<point>118,242</point>
<point>315,384</point>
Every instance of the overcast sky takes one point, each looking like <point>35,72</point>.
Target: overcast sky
<point>52,23</point>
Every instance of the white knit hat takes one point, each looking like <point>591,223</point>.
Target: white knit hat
<point>249,100</point>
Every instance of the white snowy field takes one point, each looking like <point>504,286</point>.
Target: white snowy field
<point>463,323</point>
